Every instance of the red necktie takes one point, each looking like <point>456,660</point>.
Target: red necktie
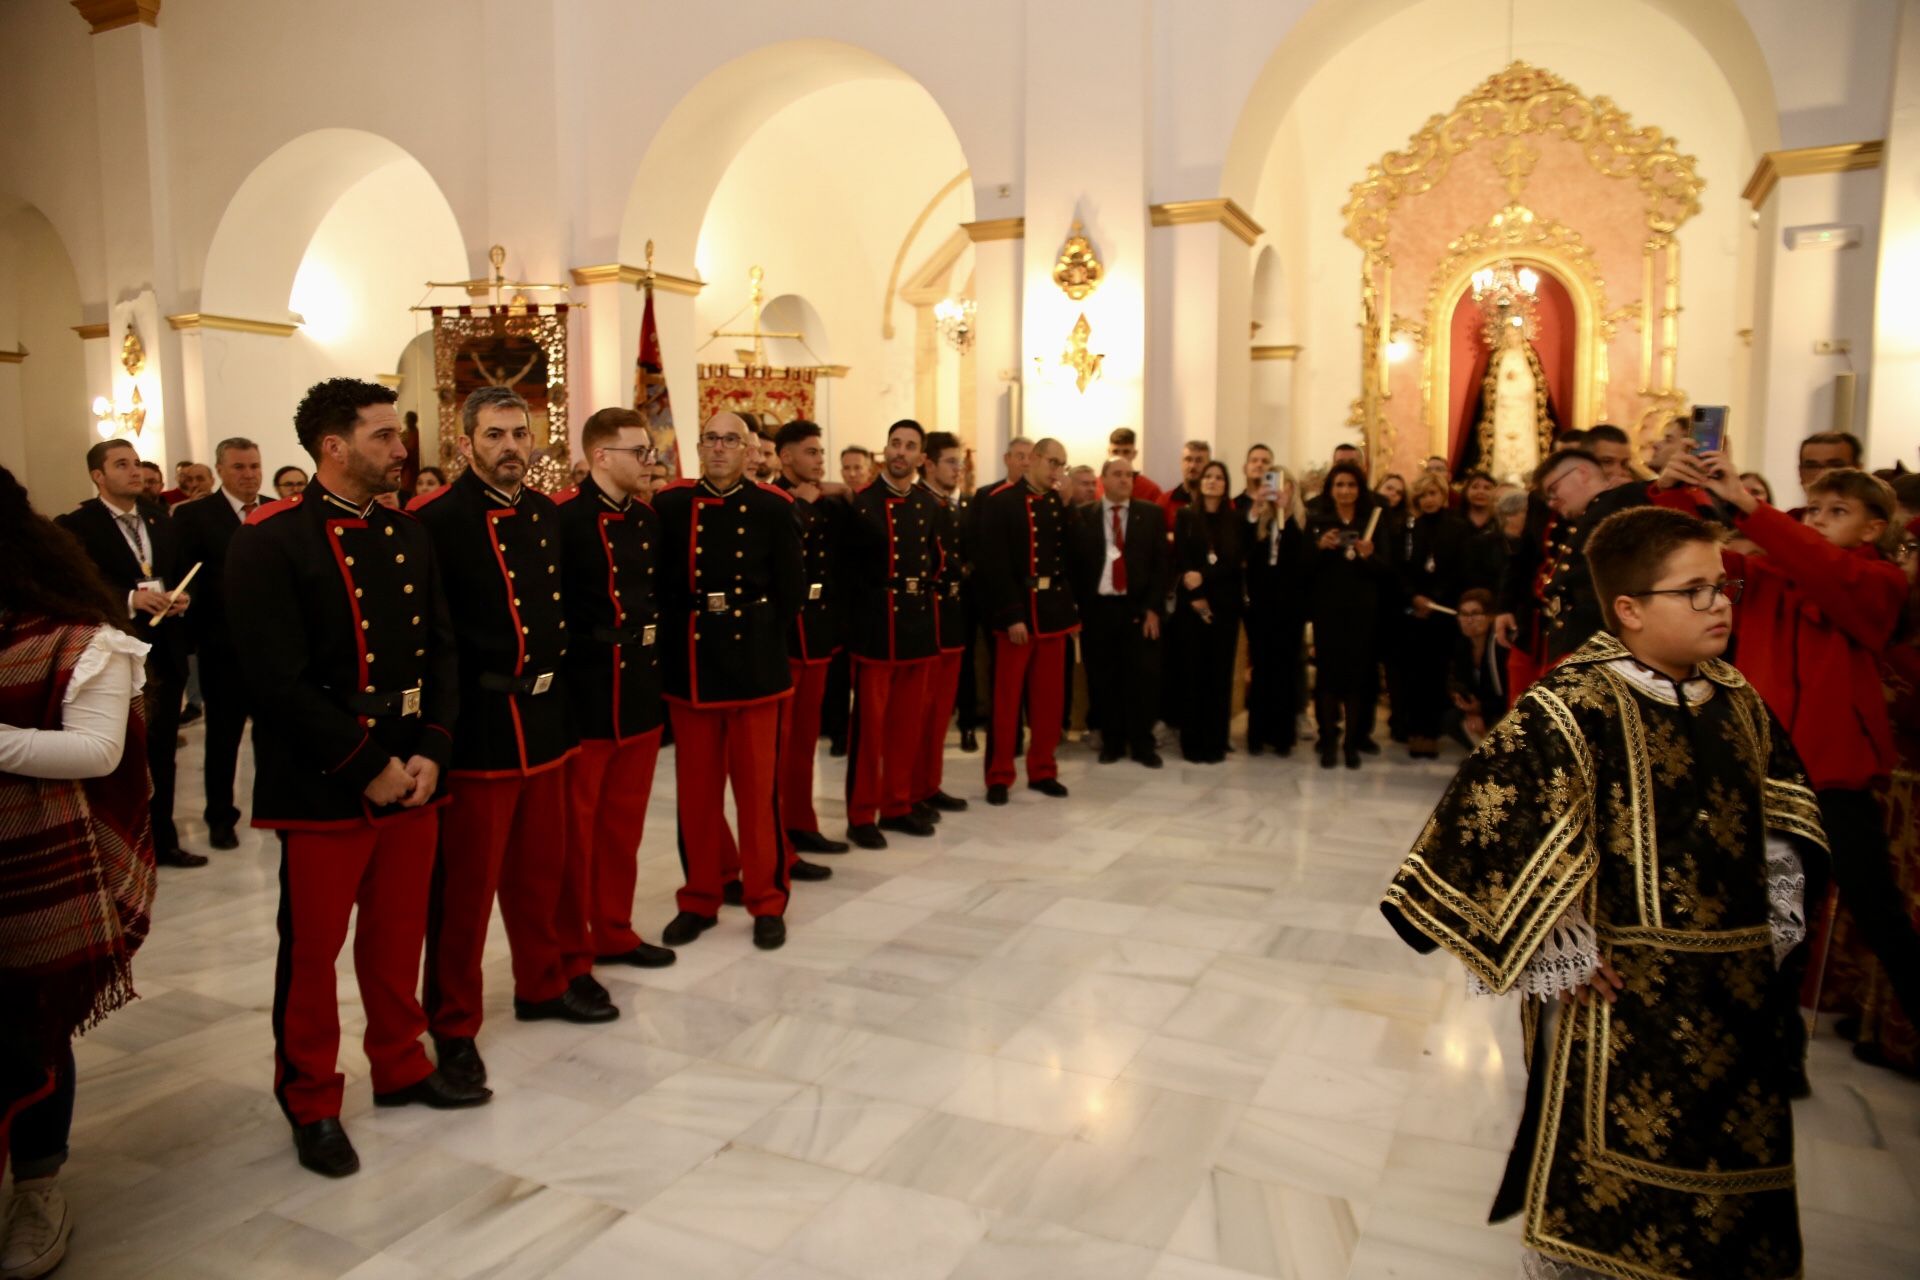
<point>246,508</point>
<point>1120,562</point>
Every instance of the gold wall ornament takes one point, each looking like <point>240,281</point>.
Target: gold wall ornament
<point>133,354</point>
<point>1078,271</point>
<point>1084,363</point>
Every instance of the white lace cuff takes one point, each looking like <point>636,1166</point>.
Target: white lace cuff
<point>1538,1266</point>
<point>1566,961</point>
<point>1786,896</point>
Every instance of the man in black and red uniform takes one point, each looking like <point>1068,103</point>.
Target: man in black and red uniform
<point>345,634</point>
<point>608,543</point>
<point>731,581</point>
<point>499,548</point>
<point>1021,566</point>
<point>890,564</point>
<point>940,469</point>
<point>813,639</point>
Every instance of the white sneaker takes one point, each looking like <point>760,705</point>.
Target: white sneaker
<point>38,1225</point>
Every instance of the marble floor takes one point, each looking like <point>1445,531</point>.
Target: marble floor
<point>1155,1031</point>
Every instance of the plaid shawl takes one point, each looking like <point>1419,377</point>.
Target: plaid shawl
<point>76,857</point>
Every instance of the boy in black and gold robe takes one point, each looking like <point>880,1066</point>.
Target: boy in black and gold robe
<point>1628,848</point>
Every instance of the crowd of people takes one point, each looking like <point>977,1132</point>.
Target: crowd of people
<point>465,666</point>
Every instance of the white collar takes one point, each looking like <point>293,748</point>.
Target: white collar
<point>239,507</point>
<point>116,512</point>
<point>1696,688</point>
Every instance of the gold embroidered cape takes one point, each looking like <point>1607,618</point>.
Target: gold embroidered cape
<point>1657,1141</point>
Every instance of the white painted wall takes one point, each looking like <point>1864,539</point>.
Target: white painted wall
<point>45,423</point>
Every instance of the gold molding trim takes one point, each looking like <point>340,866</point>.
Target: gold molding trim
<point>88,331</point>
<point>392,380</point>
<point>1280,351</point>
<point>995,229</point>
<point>110,15</point>
<point>190,320</point>
<point>1221,209</point>
<point>1799,162</point>
<point>832,370</point>
<point>621,273</point>
<point>13,357</point>
<point>900,256</point>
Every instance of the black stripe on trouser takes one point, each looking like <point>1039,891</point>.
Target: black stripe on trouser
<point>436,919</point>
<point>282,983</point>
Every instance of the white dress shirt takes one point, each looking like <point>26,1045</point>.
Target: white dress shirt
<point>93,715</point>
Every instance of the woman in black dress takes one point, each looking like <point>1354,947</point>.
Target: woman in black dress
<point>1348,577</point>
<point>1431,557</point>
<point>1276,531</point>
<point>1208,550</point>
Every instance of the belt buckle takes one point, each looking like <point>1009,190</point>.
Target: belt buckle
<point>813,591</point>
<point>716,602</point>
<point>1043,584</point>
<point>647,634</point>
<point>542,683</point>
<point>913,586</point>
<point>1553,607</point>
<point>953,590</point>
<point>410,701</point>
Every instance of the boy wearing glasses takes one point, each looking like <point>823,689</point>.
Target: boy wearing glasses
<point>1627,850</point>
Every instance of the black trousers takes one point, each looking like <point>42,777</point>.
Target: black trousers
<point>966,703</point>
<point>1207,684</point>
<point>225,696</point>
<point>1426,662</point>
<point>163,694</point>
<point>836,704</point>
<point>37,1135</point>
<point>1123,676</point>
<point>1273,677</point>
<point>1345,685</point>
<point>1863,868</point>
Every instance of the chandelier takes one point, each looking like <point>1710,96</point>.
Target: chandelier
<point>1505,295</point>
<point>955,318</point>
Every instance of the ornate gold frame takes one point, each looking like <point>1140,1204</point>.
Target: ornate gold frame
<point>547,327</point>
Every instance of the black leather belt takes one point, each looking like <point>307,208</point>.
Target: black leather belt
<point>640,635</point>
<point>909,585</point>
<point>721,601</point>
<point>494,682</point>
<point>403,702</point>
<point>1043,583</point>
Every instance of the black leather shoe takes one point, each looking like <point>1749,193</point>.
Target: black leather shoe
<point>867,836</point>
<point>190,713</point>
<point>941,802</point>
<point>685,927</point>
<point>907,824</point>
<point>569,1006</point>
<point>997,793</point>
<point>436,1091</point>
<point>459,1061</point>
<point>181,858</point>
<point>644,956</point>
<point>734,893</point>
<point>814,842</point>
<point>837,748</point>
<point>1368,747</point>
<point>969,741</point>
<point>1110,754</point>
<point>223,838</point>
<point>588,988</point>
<point>926,813</point>
<point>1049,787</point>
<point>1151,759</point>
<point>804,870</point>
<point>769,933</point>
<point>1353,759</point>
<point>323,1148</point>
<point>1329,758</point>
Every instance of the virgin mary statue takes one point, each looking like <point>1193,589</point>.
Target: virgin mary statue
<point>1514,423</point>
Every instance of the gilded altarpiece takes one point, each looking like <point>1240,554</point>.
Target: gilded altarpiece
<point>517,346</point>
<point>1525,169</point>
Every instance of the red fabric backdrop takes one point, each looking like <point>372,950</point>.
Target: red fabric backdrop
<point>1466,362</point>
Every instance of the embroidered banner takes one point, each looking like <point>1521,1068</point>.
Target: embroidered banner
<point>778,396</point>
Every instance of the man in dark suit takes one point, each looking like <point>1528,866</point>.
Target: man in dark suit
<point>205,526</point>
<point>138,552</point>
<point>1120,577</point>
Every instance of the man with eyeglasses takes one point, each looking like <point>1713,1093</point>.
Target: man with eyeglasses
<point>732,580</point>
<point>609,544</point>
<point>1827,451</point>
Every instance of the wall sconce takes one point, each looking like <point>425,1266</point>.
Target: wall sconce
<point>1084,363</point>
<point>955,318</point>
<point>1078,270</point>
<point>118,418</point>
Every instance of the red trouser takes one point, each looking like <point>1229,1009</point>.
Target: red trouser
<point>710,746</point>
<point>889,703</point>
<point>387,870</point>
<point>506,836</point>
<point>1037,670</point>
<point>799,744</point>
<point>943,688</point>
<point>608,786</point>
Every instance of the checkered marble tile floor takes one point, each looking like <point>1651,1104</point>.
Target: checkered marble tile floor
<point>1157,1030</point>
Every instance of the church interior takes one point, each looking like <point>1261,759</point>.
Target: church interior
<point>1166,1035</point>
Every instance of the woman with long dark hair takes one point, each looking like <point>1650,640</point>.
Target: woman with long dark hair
<point>1348,577</point>
<point>1276,532</point>
<point>78,866</point>
<point>1208,548</point>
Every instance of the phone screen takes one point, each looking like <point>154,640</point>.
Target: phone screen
<point>1709,428</point>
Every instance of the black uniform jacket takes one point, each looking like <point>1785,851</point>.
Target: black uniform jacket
<point>1021,561</point>
<point>501,561</point>
<point>1549,580</point>
<point>206,525</point>
<point>608,551</point>
<point>1146,554</point>
<point>731,582</point>
<point>890,563</point>
<point>112,554</point>
<point>814,636</point>
<point>951,568</point>
<point>348,653</point>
